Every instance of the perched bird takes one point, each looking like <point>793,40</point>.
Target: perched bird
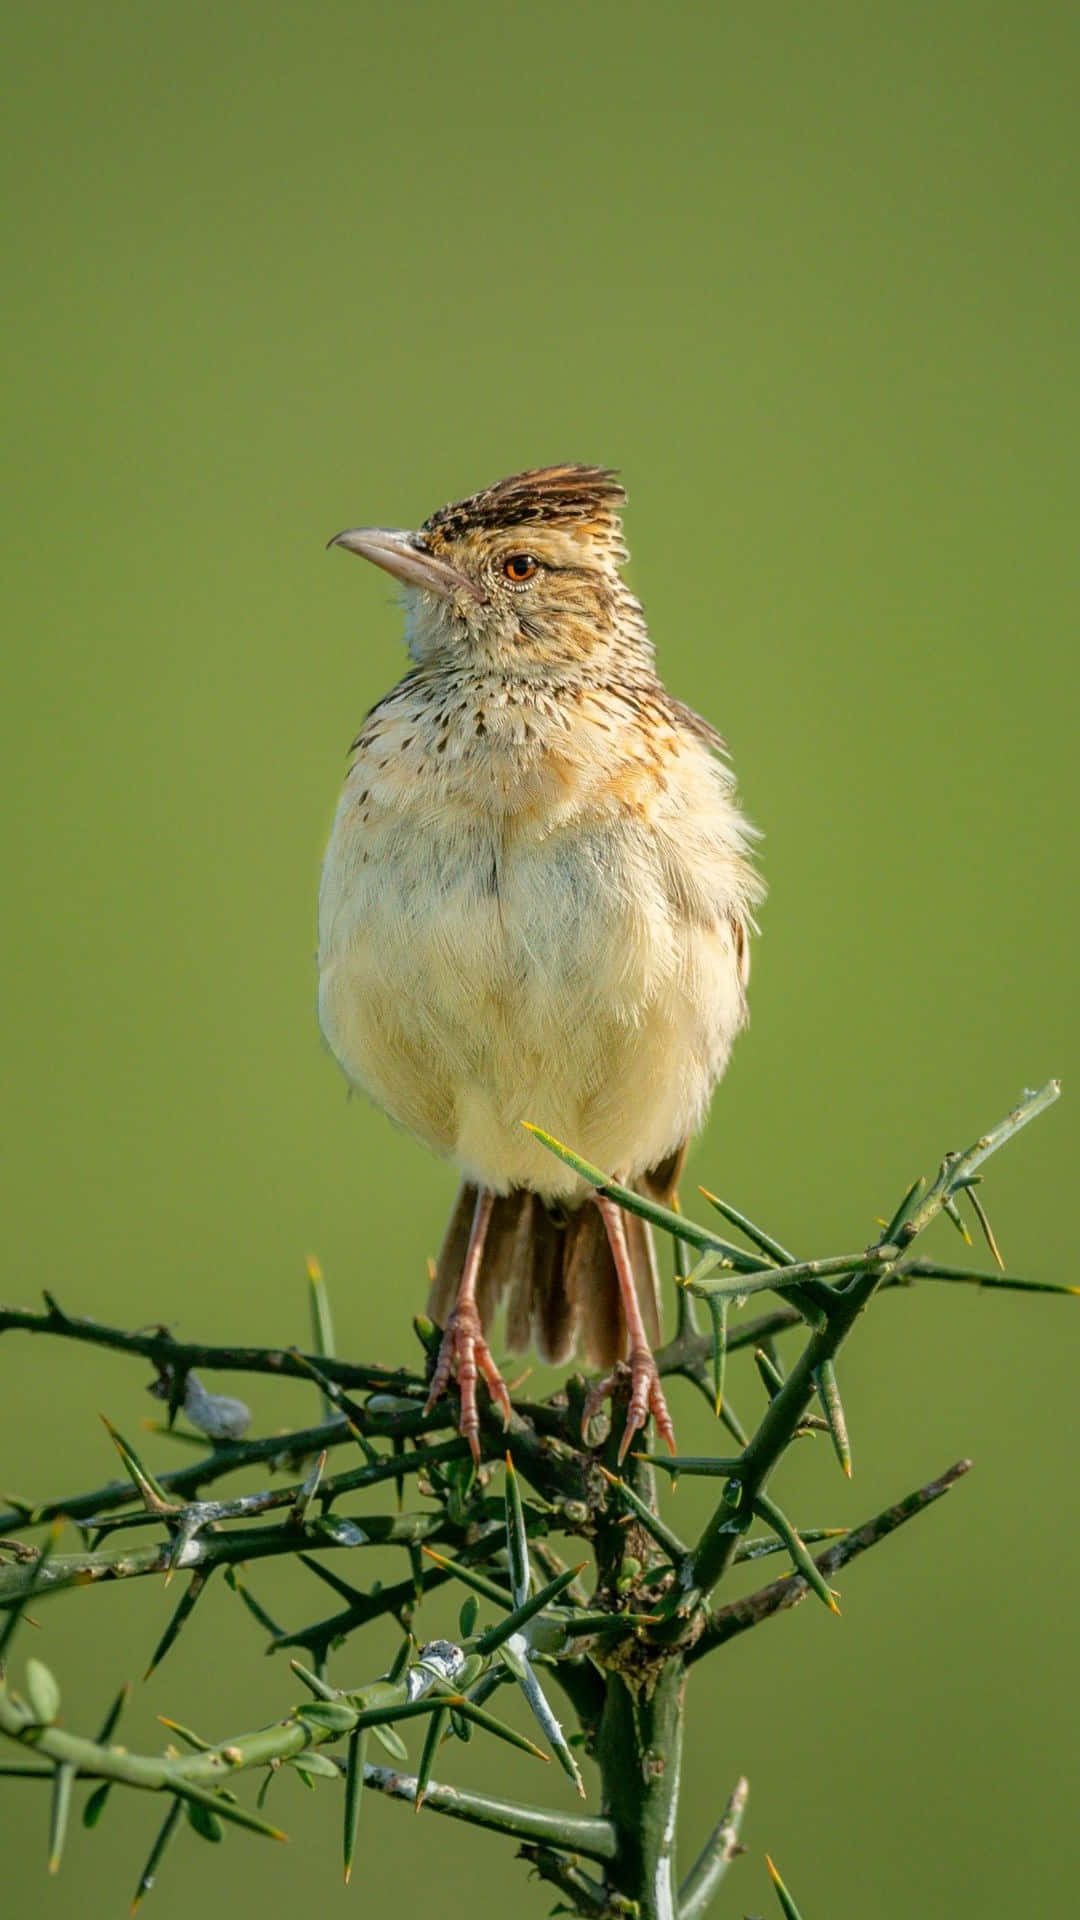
<point>535,906</point>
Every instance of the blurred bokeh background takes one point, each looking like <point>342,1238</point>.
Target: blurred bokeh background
<point>808,277</point>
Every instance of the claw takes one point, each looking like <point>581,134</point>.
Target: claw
<point>646,1397</point>
<point>464,1351</point>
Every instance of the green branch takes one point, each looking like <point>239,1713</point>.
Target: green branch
<point>575,1832</point>
<point>618,1642</point>
<point>792,1589</point>
<point>223,1549</point>
<point>718,1543</point>
<point>715,1857</point>
<point>201,1776</point>
<point>278,1450</point>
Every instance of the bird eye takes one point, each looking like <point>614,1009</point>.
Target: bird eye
<point>519,567</point>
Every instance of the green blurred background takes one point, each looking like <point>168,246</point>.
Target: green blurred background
<point>808,276</point>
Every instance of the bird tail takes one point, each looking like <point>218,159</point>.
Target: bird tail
<point>555,1270</point>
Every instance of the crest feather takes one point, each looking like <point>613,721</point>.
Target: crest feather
<point>569,496</point>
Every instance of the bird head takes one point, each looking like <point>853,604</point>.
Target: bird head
<point>521,577</point>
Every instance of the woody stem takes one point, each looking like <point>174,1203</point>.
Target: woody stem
<point>639,1751</point>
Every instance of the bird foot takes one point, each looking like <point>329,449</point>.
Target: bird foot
<point>646,1396</point>
<point>466,1353</point>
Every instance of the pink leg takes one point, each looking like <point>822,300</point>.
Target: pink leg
<point>646,1393</point>
<point>464,1348</point>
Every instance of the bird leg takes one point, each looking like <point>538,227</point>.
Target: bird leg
<point>464,1349</point>
<point>646,1393</point>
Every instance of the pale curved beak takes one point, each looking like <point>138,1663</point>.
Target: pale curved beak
<point>397,553</point>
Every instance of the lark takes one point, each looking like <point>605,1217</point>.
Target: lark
<point>535,907</point>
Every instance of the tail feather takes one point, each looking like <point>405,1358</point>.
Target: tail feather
<point>506,1247</point>
<point>519,1283</point>
<point>554,1314</point>
<point>593,1287</point>
<point>555,1270</point>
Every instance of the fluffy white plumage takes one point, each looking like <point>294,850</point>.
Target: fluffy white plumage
<point>530,921</point>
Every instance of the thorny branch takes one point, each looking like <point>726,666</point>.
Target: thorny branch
<point>619,1640</point>
<point>792,1588</point>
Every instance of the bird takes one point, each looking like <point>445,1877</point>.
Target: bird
<point>535,910</point>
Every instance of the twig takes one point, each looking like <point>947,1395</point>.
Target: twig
<point>223,1549</point>
<point>783,1415</point>
<point>619,1652</point>
<point>715,1857</point>
<point>196,1775</point>
<point>165,1351</point>
<point>789,1591</point>
<point>576,1832</point>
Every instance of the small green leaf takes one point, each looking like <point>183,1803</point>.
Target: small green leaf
<point>344,1533</point>
<point>95,1805</point>
<point>222,1809</point>
<point>467,1617</point>
<point>427,1333</point>
<point>328,1715</point>
<point>315,1763</point>
<point>392,1742</point>
<point>204,1820</point>
<point>470,1673</point>
<point>42,1692</point>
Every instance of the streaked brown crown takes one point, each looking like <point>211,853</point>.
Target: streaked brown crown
<point>581,499</point>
